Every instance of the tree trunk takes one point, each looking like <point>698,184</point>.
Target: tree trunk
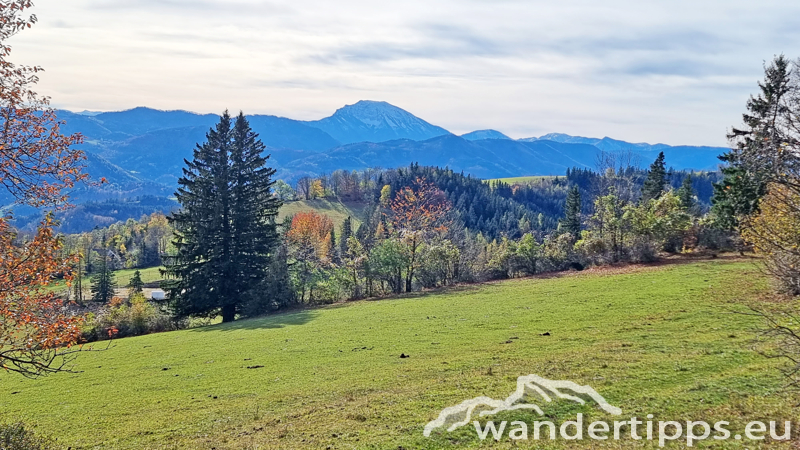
<point>228,313</point>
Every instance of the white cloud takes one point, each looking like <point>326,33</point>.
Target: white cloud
<point>673,72</point>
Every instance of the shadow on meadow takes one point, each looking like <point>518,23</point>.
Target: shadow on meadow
<point>279,320</point>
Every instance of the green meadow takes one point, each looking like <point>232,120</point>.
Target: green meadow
<point>336,210</point>
<point>656,340</point>
<point>522,180</point>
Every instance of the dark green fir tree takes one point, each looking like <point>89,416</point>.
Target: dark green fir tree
<point>686,193</point>
<point>656,179</point>
<point>103,281</point>
<point>347,231</point>
<point>571,222</point>
<point>225,231</point>
<point>756,156</point>
<point>135,285</point>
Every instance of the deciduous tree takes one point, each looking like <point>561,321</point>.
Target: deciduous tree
<point>309,240</point>
<point>417,211</point>
<point>775,234</point>
<point>37,167</point>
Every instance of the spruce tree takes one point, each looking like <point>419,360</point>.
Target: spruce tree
<point>686,193</point>
<point>103,281</point>
<point>135,285</point>
<point>656,179</point>
<point>757,155</point>
<point>78,286</point>
<point>225,230</point>
<point>347,231</point>
<point>571,222</point>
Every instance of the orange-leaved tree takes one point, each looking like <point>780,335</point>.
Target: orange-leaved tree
<point>37,166</point>
<point>418,211</point>
<point>309,240</point>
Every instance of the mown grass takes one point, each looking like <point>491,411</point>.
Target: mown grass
<point>336,210</point>
<point>657,340</point>
<point>522,180</point>
<point>121,277</point>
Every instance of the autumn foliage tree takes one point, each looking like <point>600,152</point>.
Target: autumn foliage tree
<point>775,233</point>
<point>309,239</point>
<point>37,167</point>
<point>417,212</point>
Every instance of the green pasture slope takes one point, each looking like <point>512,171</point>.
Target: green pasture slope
<point>336,210</point>
<point>522,180</point>
<point>657,340</point>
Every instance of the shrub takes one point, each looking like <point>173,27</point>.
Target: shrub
<point>135,317</point>
<point>438,264</point>
<point>775,234</point>
<point>17,436</point>
<point>559,252</point>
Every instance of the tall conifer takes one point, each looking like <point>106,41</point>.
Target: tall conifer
<point>686,193</point>
<point>225,230</point>
<point>347,231</point>
<point>571,222</point>
<point>656,179</point>
<point>103,281</point>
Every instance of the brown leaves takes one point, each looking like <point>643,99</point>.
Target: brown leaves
<point>37,164</point>
<point>421,207</point>
<point>34,323</point>
<point>311,232</point>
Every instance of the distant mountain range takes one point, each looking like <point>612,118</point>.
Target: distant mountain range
<point>141,151</point>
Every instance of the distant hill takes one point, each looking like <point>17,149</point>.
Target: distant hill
<point>485,158</point>
<point>606,144</point>
<point>370,121</point>
<point>484,134</point>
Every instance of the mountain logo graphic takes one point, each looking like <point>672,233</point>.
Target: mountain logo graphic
<point>529,387</point>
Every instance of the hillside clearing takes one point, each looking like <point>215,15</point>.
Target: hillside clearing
<point>522,180</point>
<point>336,210</point>
<point>655,340</point>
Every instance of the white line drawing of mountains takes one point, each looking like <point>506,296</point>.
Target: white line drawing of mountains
<point>528,386</point>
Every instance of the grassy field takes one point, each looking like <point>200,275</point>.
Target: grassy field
<point>122,277</point>
<point>336,210</point>
<point>657,340</point>
<point>521,180</point>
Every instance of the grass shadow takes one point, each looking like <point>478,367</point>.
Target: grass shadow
<point>455,289</point>
<point>281,319</point>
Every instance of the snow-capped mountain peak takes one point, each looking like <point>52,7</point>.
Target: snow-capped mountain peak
<point>376,121</point>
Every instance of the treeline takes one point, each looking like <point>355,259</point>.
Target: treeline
<point>497,209</point>
<point>427,228</point>
<point>483,231</point>
<point>101,214</point>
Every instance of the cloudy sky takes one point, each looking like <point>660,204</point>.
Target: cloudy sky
<point>676,71</point>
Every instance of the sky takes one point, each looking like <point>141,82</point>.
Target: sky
<point>674,72</point>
